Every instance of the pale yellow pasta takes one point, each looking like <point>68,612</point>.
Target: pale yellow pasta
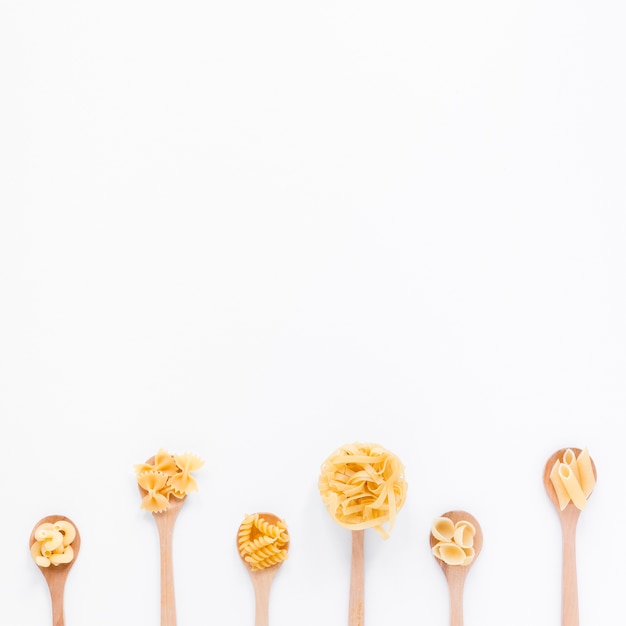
<point>559,488</point>
<point>169,475</point>
<point>455,541</point>
<point>569,458</point>
<point>363,486</point>
<point>182,481</point>
<point>449,552</point>
<point>68,530</point>
<point>153,483</point>
<point>443,529</point>
<point>52,545</point>
<point>585,471</point>
<point>262,543</point>
<point>62,557</point>
<point>469,555</point>
<point>573,478</point>
<point>570,482</point>
<point>464,534</point>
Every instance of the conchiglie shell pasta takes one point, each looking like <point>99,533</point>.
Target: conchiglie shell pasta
<point>464,534</point>
<point>443,528</point>
<point>449,552</point>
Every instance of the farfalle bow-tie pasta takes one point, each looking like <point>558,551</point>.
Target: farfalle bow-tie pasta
<point>363,486</point>
<point>262,543</point>
<point>169,475</point>
<point>573,478</point>
<point>53,543</point>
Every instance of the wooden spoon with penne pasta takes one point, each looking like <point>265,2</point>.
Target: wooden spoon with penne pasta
<point>569,477</point>
<point>263,544</point>
<point>55,563</point>
<point>456,540</point>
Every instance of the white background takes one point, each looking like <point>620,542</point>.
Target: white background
<point>255,231</point>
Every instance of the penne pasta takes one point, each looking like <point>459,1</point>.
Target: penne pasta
<point>573,478</point>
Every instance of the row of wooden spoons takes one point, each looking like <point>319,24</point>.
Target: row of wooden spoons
<point>56,576</point>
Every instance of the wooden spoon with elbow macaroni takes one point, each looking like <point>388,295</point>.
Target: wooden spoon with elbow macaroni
<point>456,574</point>
<point>263,577</point>
<point>56,575</point>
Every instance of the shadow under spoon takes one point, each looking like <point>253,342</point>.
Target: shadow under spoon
<point>569,520</point>
<point>56,575</point>
<point>456,574</point>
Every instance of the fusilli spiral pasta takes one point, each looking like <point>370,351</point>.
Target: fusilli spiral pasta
<point>262,543</point>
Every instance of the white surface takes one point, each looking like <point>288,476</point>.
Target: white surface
<point>258,230</point>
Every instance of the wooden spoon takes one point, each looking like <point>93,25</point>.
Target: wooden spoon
<point>569,519</point>
<point>56,575</point>
<point>456,574</point>
<point>262,579</point>
<point>165,525</point>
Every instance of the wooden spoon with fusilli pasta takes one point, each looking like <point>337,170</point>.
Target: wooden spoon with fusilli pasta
<point>262,543</point>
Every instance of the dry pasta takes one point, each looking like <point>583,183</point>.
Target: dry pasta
<point>455,542</point>
<point>53,543</point>
<point>262,543</point>
<point>363,486</point>
<point>169,475</point>
<point>573,478</point>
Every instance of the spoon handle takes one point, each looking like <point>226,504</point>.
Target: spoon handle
<point>569,584</point>
<point>456,582</point>
<point>357,579</point>
<point>262,582</point>
<point>165,525</point>
<point>57,587</point>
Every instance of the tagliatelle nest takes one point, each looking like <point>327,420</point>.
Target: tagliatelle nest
<point>363,486</point>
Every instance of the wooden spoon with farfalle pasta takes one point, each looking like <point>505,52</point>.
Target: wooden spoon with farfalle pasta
<point>163,493</point>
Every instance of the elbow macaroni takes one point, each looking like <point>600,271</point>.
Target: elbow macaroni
<point>262,544</point>
<point>573,478</point>
<point>53,543</point>
<point>169,475</point>
<point>363,486</point>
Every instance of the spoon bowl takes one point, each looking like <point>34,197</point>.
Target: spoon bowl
<point>456,574</point>
<point>262,578</point>
<point>56,575</point>
<point>568,518</point>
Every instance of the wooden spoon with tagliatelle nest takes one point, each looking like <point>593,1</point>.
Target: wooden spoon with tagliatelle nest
<point>362,486</point>
<point>164,481</point>
<point>54,544</point>
<point>263,545</point>
<point>456,540</point>
<point>569,477</point>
